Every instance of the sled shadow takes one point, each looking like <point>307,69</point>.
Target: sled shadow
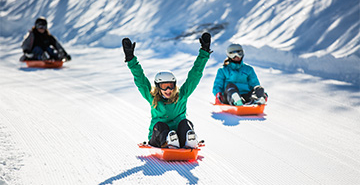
<point>156,167</point>
<point>234,120</point>
<point>31,69</point>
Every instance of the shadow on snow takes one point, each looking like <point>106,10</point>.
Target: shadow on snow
<point>30,69</point>
<point>234,120</point>
<point>157,167</point>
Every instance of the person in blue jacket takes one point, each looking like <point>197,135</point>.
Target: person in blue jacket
<point>236,82</point>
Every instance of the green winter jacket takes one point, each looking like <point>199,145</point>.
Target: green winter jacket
<point>173,113</point>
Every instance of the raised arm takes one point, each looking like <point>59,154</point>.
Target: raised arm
<point>196,71</point>
<point>141,81</point>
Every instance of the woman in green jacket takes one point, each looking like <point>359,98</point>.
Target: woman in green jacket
<point>169,126</point>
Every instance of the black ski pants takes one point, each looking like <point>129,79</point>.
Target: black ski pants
<point>255,93</point>
<point>161,130</point>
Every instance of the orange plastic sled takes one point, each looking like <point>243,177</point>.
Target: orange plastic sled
<point>44,64</point>
<point>240,110</point>
<point>170,154</point>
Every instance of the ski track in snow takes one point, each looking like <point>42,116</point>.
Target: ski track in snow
<point>67,127</point>
<point>81,124</point>
<point>51,145</point>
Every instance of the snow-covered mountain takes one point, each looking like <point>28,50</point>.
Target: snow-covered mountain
<point>80,124</point>
<point>318,37</point>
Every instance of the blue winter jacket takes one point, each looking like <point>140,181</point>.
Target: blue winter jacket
<point>242,75</point>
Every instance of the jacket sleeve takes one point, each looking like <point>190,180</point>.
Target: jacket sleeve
<point>28,42</point>
<point>219,82</point>
<point>141,81</point>
<point>56,44</point>
<point>194,74</point>
<point>253,79</point>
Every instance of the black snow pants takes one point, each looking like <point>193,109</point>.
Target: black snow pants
<point>254,94</point>
<point>161,130</point>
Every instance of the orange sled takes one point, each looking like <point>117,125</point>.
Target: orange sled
<point>240,110</point>
<point>44,64</point>
<point>171,154</point>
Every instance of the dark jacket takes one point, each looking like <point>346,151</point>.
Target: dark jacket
<point>43,40</point>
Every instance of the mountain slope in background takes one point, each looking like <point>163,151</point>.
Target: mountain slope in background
<point>304,27</point>
<point>289,35</point>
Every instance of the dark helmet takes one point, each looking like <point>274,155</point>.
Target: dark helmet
<point>41,23</point>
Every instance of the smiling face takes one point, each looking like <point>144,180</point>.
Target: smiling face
<point>167,88</point>
<point>167,93</point>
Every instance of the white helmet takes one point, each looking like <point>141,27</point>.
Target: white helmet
<point>164,76</point>
<point>234,50</point>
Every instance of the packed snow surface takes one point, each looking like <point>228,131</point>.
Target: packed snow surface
<point>81,124</point>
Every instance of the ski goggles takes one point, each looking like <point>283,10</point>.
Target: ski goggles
<point>166,85</point>
<point>237,53</point>
<point>41,26</point>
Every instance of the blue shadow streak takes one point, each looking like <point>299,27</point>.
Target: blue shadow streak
<point>156,167</point>
<point>234,120</point>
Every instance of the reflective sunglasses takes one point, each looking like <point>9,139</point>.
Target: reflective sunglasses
<point>237,53</point>
<point>166,85</point>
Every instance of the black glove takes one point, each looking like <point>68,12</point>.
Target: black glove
<point>128,49</point>
<point>205,41</point>
<point>63,55</point>
<point>68,57</point>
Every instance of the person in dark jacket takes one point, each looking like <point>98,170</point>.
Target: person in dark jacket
<point>39,44</point>
<point>236,83</point>
<point>169,126</point>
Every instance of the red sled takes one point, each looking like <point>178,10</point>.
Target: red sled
<point>171,154</point>
<point>44,63</point>
<point>243,110</point>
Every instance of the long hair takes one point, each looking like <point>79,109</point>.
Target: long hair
<point>226,61</point>
<point>156,93</point>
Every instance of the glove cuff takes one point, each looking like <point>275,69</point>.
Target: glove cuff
<point>128,58</point>
<point>207,49</point>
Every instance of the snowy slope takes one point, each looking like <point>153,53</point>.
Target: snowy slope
<point>318,37</point>
<point>80,124</point>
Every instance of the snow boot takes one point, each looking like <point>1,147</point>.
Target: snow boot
<point>260,101</point>
<point>45,56</point>
<point>232,95</point>
<point>172,140</point>
<point>191,139</point>
<point>237,101</point>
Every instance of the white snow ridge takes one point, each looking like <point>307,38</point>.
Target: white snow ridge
<point>81,124</point>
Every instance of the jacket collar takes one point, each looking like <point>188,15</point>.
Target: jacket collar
<point>235,66</point>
